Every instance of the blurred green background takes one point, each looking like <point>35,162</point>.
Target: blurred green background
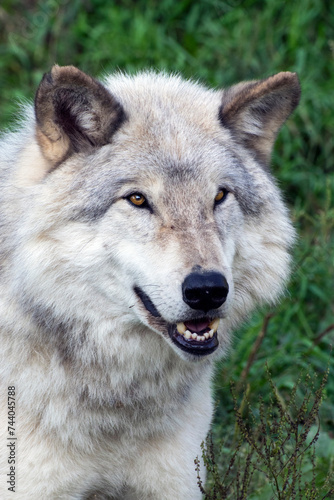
<point>220,43</point>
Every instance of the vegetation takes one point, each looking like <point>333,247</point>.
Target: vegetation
<point>223,42</point>
<point>272,454</point>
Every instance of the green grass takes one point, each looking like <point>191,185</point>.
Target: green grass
<point>220,43</point>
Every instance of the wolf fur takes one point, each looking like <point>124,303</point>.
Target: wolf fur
<point>112,402</point>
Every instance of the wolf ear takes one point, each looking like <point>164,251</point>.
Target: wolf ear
<point>74,113</point>
<point>255,111</point>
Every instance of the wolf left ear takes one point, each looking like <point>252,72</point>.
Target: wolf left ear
<point>74,113</point>
<point>255,111</point>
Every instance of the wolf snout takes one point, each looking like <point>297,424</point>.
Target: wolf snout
<point>205,290</point>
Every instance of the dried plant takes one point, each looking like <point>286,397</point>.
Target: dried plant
<point>272,454</point>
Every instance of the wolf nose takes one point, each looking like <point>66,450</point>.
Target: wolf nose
<point>205,291</point>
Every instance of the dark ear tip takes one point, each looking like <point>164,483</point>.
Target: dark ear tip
<point>62,76</point>
<point>295,80</point>
<point>69,74</point>
<point>296,89</point>
<point>52,75</point>
<point>288,76</point>
<point>291,80</point>
<point>47,78</point>
<point>57,70</point>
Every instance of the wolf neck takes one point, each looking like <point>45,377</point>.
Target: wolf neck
<point>108,375</point>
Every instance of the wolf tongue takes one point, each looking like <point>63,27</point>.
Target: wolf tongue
<point>197,326</point>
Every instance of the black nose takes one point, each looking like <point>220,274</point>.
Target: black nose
<point>205,290</point>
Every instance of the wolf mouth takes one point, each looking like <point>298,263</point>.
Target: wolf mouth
<point>197,336</point>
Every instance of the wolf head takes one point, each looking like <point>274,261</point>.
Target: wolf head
<point>153,208</point>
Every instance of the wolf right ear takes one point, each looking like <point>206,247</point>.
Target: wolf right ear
<point>254,111</point>
<point>74,113</point>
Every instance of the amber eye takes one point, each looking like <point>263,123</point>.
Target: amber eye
<point>221,195</point>
<point>137,199</point>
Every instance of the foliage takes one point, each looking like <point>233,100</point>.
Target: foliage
<point>220,42</point>
<point>273,450</point>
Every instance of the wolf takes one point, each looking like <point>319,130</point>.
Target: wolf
<point>140,224</point>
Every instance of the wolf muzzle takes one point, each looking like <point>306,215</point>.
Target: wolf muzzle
<point>203,291</point>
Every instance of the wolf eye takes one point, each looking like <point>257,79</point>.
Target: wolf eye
<point>137,199</point>
<point>221,196</point>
